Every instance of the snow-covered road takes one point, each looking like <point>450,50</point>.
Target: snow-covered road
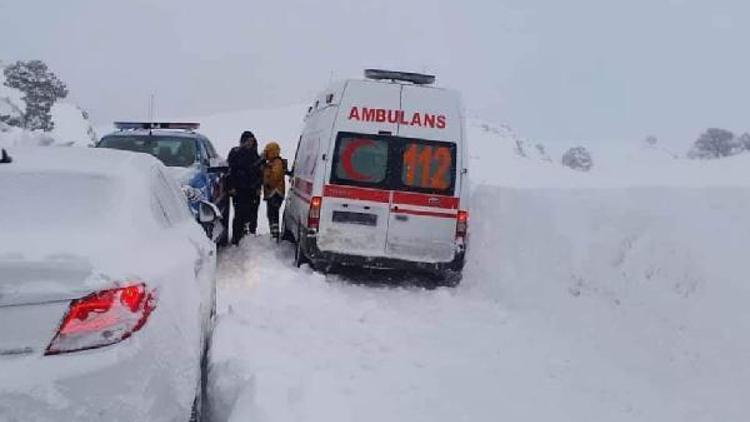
<point>291,345</point>
<point>296,346</point>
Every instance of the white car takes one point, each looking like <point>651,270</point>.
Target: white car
<point>106,289</point>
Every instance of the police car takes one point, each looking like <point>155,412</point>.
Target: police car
<point>380,177</point>
<point>189,156</point>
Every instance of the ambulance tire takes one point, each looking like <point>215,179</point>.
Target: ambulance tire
<point>447,278</point>
<point>323,267</point>
<point>299,253</point>
<point>286,235</point>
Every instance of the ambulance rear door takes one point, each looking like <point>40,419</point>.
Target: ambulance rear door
<point>356,197</point>
<point>425,203</point>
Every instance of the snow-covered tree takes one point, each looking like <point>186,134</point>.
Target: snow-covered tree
<point>651,140</point>
<point>715,143</point>
<point>41,89</point>
<point>744,140</point>
<point>578,158</point>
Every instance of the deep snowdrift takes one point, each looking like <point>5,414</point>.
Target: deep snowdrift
<point>586,304</point>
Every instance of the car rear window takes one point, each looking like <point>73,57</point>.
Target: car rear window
<point>173,151</point>
<point>394,163</point>
<point>40,201</point>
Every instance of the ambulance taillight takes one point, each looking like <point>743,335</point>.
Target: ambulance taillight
<point>462,224</point>
<point>313,215</point>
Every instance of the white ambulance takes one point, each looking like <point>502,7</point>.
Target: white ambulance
<point>380,177</point>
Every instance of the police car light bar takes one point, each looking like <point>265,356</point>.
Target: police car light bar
<point>415,78</point>
<point>157,125</point>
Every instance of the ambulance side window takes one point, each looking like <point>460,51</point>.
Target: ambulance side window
<point>296,156</point>
<point>307,156</point>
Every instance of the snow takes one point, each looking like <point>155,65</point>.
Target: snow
<point>608,305</point>
<point>616,294</point>
<point>72,125</point>
<point>81,220</point>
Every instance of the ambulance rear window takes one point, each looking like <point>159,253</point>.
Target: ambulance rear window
<point>428,166</point>
<point>361,160</point>
<point>395,163</point>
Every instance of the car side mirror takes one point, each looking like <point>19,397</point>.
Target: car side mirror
<point>218,169</point>
<point>192,194</point>
<point>207,212</point>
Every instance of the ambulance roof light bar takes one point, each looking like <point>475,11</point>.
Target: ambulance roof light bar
<point>415,78</point>
<point>157,125</point>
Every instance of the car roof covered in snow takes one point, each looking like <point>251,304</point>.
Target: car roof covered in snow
<point>95,161</point>
<point>158,132</point>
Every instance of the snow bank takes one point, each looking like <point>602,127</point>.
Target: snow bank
<point>645,287</point>
<point>584,304</point>
<point>72,126</point>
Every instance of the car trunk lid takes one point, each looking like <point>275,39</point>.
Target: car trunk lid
<point>34,296</point>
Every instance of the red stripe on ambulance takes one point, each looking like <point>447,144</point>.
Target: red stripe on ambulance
<point>399,198</point>
<point>397,210</point>
<point>361,194</point>
<point>424,200</point>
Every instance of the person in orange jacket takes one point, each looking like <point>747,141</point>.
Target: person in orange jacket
<point>274,184</point>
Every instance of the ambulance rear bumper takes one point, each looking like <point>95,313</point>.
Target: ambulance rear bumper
<point>323,259</point>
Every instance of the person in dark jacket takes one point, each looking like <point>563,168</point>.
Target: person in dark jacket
<point>244,180</point>
<point>274,185</point>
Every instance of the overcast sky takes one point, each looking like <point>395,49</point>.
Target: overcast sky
<point>555,70</point>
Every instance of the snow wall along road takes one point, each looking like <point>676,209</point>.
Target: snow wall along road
<point>651,281</point>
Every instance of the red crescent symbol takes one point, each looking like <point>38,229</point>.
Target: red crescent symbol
<point>346,159</point>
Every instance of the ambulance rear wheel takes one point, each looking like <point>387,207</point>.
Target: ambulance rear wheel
<point>447,278</point>
<point>286,235</point>
<point>299,252</point>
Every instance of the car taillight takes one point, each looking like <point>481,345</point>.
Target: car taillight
<point>313,216</point>
<point>462,224</point>
<point>103,318</point>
